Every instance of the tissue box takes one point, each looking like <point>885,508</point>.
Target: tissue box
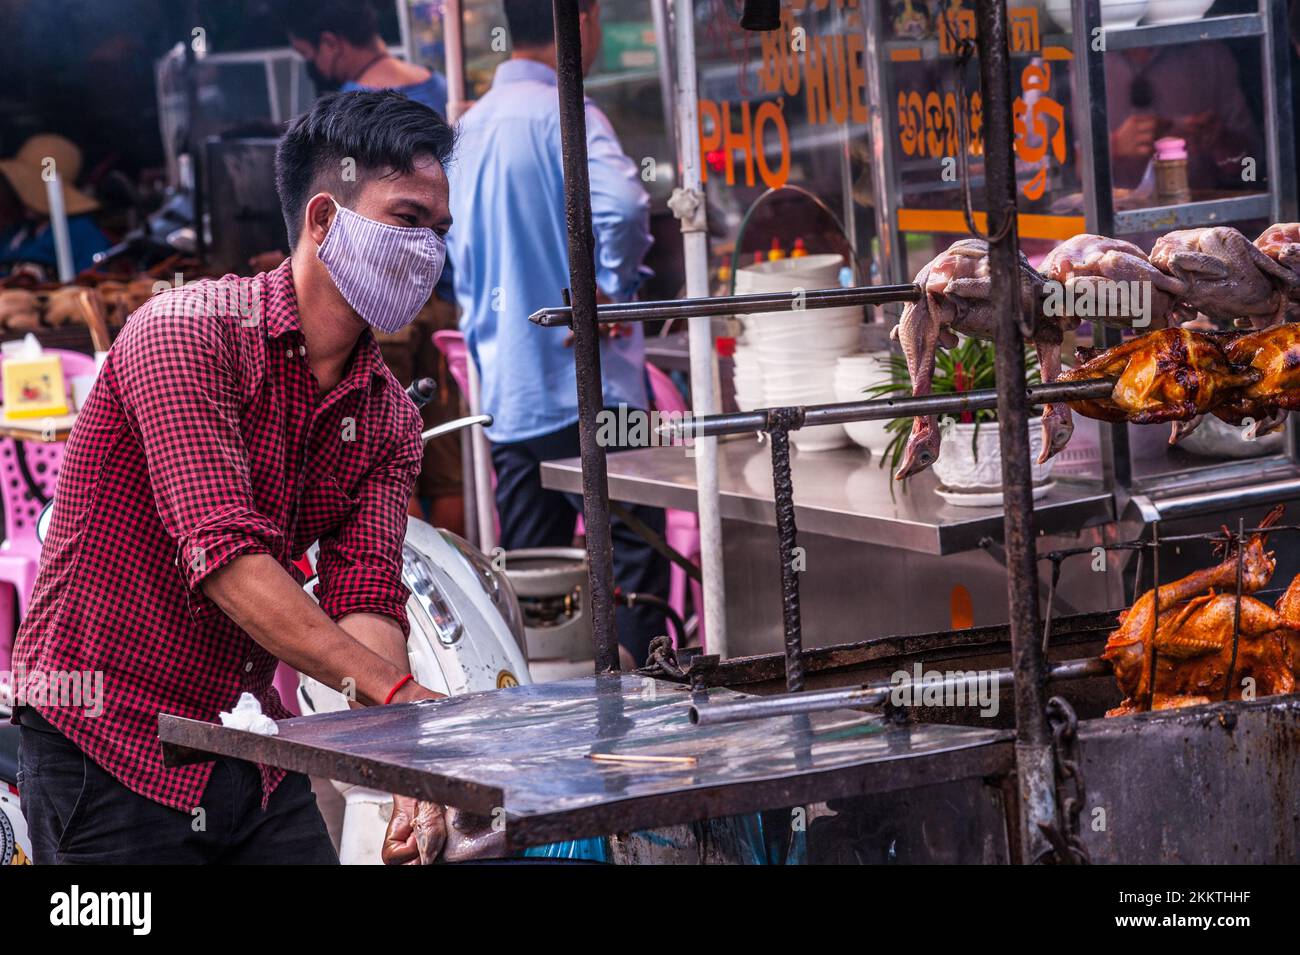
<point>34,387</point>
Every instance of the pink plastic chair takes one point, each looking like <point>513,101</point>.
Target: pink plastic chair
<point>20,552</point>
<point>682,530</point>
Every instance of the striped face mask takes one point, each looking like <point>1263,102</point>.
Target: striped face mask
<point>385,272</point>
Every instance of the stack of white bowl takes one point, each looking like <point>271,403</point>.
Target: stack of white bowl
<point>853,375</point>
<point>789,357</point>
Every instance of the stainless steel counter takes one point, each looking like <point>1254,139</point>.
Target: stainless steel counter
<point>841,494</point>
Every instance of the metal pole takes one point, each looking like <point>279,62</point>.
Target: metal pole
<point>586,336</point>
<point>453,44</point>
<point>879,409</point>
<point>874,694</point>
<point>485,514</point>
<point>811,300</point>
<point>688,204</point>
<point>662,19</point>
<point>780,421</point>
<point>1035,769</point>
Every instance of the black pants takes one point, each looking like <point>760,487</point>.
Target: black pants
<point>77,814</point>
<point>532,516</point>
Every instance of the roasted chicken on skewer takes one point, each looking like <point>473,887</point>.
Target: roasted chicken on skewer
<point>1194,637</point>
<point>1275,354</point>
<point>1170,375</point>
<point>1226,275</point>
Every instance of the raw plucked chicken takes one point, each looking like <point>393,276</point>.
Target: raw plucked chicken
<point>1086,262</point>
<point>955,289</point>
<point>1226,275</point>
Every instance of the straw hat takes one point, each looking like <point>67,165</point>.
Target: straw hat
<point>24,172</point>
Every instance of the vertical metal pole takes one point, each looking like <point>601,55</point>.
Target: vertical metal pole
<point>453,43</point>
<point>586,337</point>
<point>1035,769</point>
<point>663,27</point>
<point>484,503</point>
<point>779,423</point>
<point>689,198</point>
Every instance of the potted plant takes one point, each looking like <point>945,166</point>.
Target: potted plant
<point>969,467</point>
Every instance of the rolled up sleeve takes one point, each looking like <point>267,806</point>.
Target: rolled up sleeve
<point>620,210</point>
<point>177,380</point>
<point>360,563</point>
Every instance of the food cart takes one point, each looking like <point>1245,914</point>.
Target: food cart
<point>694,740</point>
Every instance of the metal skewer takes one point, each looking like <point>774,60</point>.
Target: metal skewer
<point>868,695</point>
<point>802,300</point>
<point>746,421</point>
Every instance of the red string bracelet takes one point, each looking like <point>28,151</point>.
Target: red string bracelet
<point>397,686</point>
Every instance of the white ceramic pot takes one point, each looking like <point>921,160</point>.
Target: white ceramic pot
<point>969,463</point>
<point>1115,14</point>
<point>1175,11</point>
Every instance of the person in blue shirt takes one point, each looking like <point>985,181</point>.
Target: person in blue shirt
<point>26,238</point>
<point>340,41</point>
<point>509,244</point>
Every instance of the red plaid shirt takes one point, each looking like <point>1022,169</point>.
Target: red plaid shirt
<point>204,439</point>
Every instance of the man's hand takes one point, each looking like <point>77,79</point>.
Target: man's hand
<point>1135,139</point>
<point>416,833</point>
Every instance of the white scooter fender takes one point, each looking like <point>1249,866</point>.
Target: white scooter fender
<point>466,636</point>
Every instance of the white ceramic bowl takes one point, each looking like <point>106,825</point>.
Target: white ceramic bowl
<point>1115,14</point>
<point>1175,11</point>
<point>783,275</point>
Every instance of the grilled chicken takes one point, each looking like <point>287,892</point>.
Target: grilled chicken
<point>1085,264</point>
<point>955,289</point>
<point>1227,276</point>
<point>1169,375</point>
<point>1275,354</point>
<point>1194,637</point>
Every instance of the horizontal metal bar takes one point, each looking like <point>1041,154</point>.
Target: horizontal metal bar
<point>735,304</point>
<point>1192,31</point>
<point>743,422</point>
<point>1236,498</point>
<point>870,695</point>
<point>1190,214</point>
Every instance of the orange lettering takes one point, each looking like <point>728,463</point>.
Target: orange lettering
<point>731,141</point>
<point>814,70</point>
<point>768,113</point>
<point>857,78</point>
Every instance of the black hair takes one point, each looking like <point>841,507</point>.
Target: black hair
<point>353,20</point>
<point>380,131</point>
<point>531,21</point>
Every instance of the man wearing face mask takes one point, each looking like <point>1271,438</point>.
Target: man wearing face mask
<point>341,43</point>
<point>235,422</point>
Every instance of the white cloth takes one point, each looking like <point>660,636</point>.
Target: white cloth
<point>248,716</point>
